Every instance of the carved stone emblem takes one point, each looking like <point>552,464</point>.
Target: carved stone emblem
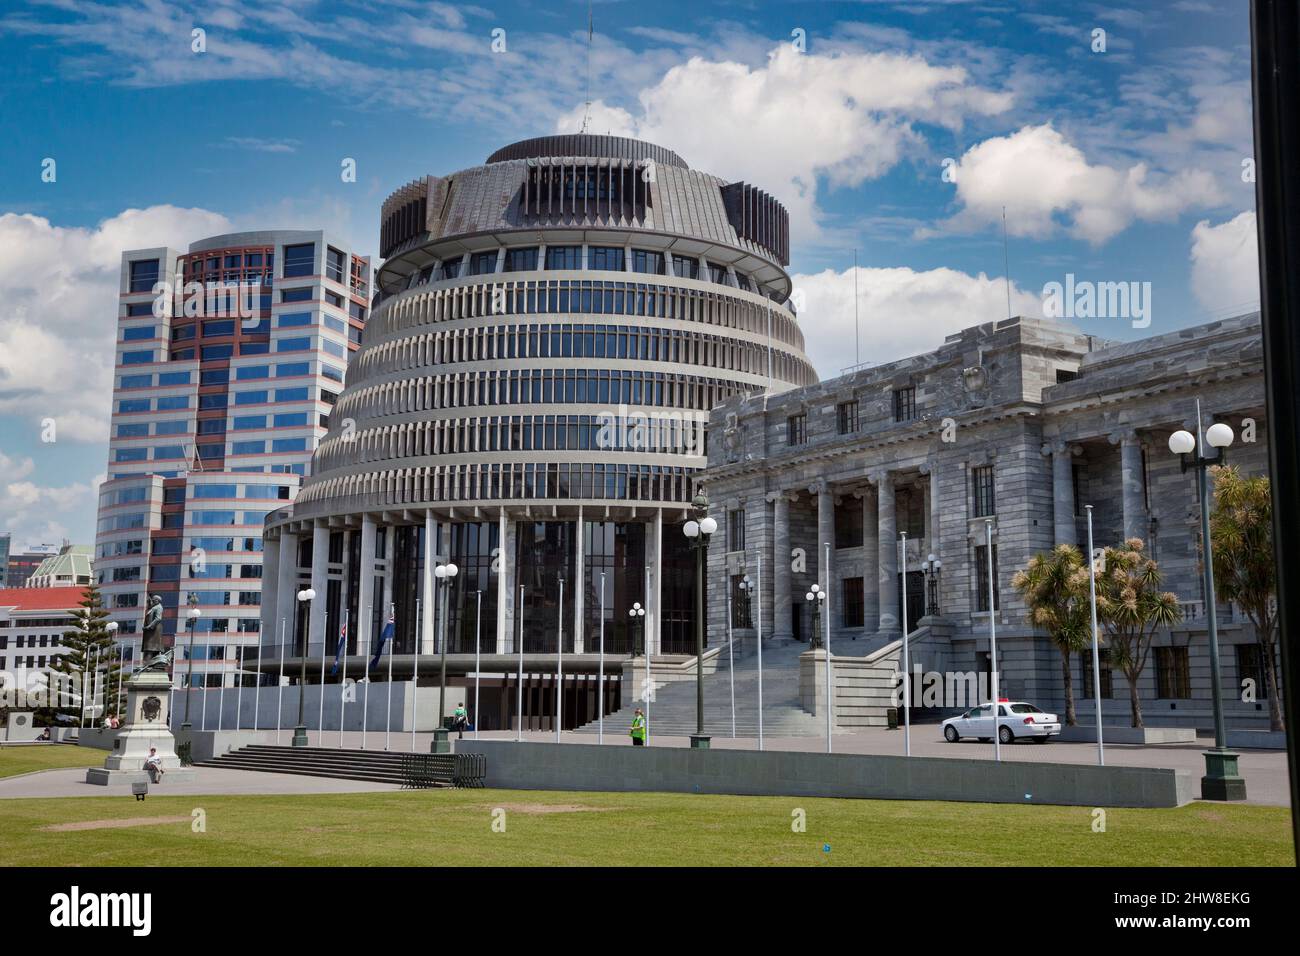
<point>151,707</point>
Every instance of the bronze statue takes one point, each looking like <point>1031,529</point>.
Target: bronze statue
<point>156,658</point>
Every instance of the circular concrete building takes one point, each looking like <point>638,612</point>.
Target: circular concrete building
<point>549,333</point>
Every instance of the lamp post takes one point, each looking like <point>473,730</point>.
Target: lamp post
<point>698,530</point>
<point>636,615</point>
<point>1222,780</point>
<point>444,575</point>
<point>193,616</point>
<point>111,627</point>
<point>815,597</point>
<point>306,595</point>
<point>930,568</point>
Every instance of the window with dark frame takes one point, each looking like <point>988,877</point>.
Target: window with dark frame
<point>796,429</point>
<point>905,403</point>
<point>741,613</point>
<point>736,530</point>
<point>982,497</point>
<point>1173,681</point>
<point>982,579</point>
<point>853,602</point>
<point>1103,658</point>
<point>1250,666</point>
<point>846,417</point>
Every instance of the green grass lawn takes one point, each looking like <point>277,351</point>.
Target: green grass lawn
<point>16,760</point>
<point>445,827</point>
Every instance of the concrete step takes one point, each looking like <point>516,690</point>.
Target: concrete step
<point>365,765</point>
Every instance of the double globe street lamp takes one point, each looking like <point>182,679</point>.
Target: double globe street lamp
<point>444,575</point>
<point>305,596</point>
<point>816,598</point>
<point>192,615</point>
<point>698,530</point>
<point>636,615</point>
<point>930,567</point>
<point>1222,780</point>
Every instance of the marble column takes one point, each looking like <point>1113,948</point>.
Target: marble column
<point>782,625</point>
<point>1063,508</point>
<point>1130,458</point>
<point>870,561</point>
<point>578,586</point>
<point>825,555</point>
<point>365,581</point>
<point>505,583</point>
<point>428,643</point>
<point>887,551</point>
<point>320,553</point>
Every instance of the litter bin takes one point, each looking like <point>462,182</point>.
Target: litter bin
<point>891,715</point>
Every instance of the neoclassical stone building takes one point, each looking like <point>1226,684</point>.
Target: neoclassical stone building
<point>1015,425</point>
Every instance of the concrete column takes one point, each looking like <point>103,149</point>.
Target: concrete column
<point>579,586</point>
<point>1063,507</point>
<point>320,552</point>
<point>505,582</point>
<point>870,562</point>
<point>365,577</point>
<point>1130,457</point>
<point>781,626</point>
<point>653,618</point>
<point>426,643</point>
<point>887,555</point>
<point>286,588</point>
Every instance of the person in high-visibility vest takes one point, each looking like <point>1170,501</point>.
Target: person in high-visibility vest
<point>459,719</point>
<point>637,732</point>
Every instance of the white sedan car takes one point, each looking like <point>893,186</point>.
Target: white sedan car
<point>1016,719</point>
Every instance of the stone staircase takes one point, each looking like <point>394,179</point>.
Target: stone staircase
<point>672,710</point>
<point>372,765</point>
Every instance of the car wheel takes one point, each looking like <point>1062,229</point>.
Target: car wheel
<point>950,734</point>
<point>1005,735</point>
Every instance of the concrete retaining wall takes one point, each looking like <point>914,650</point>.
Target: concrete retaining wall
<point>542,766</point>
<point>1087,733</point>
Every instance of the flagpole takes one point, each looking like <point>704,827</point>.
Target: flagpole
<point>907,680</point>
<point>415,673</point>
<point>830,699</point>
<point>221,696</point>
<point>343,683</point>
<point>731,658</point>
<point>760,649</point>
<point>279,703</point>
<point>257,688</point>
<point>600,683</point>
<point>478,641</point>
<point>365,706</point>
<point>559,662</point>
<point>645,639</point>
<point>1096,663</point>
<point>121,653</point>
<point>519,682</point>
<point>993,637</point>
<point>324,649</point>
<point>392,651</point>
<point>207,660</point>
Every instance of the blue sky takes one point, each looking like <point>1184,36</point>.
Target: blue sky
<point>1122,164</point>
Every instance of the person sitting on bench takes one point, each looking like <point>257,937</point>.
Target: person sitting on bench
<point>153,766</point>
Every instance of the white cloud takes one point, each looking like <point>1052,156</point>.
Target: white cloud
<point>901,312</point>
<point>1225,265</point>
<point>58,289</point>
<point>36,514</point>
<point>847,116</point>
<point>1048,186</point>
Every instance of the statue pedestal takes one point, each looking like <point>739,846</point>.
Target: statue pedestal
<point>148,710</point>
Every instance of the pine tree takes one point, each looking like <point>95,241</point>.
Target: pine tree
<point>90,664</point>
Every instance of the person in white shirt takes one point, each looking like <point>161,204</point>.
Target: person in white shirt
<point>153,765</point>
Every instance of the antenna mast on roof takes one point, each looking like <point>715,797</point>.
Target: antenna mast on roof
<point>857,355</point>
<point>1006,259</point>
<point>586,113</point>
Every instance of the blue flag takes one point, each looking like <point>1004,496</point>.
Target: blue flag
<point>385,636</point>
<point>342,643</point>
